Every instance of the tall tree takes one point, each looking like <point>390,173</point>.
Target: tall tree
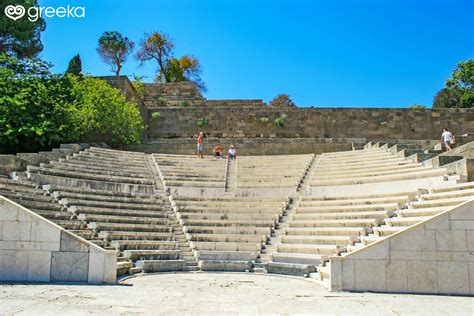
<point>459,89</point>
<point>186,68</point>
<point>20,38</point>
<point>282,101</point>
<point>75,66</point>
<point>114,48</point>
<point>159,47</point>
<point>447,98</point>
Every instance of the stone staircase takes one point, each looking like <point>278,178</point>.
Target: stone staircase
<point>231,175</point>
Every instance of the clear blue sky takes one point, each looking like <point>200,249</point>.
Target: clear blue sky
<point>366,53</point>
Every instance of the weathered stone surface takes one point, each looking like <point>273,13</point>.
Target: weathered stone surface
<point>69,266</point>
<point>161,265</point>
<point>70,243</point>
<point>222,265</point>
<point>290,268</point>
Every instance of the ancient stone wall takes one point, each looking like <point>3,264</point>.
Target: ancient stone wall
<point>373,124</point>
<point>34,249</point>
<point>434,256</point>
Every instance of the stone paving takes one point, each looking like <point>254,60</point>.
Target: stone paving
<point>217,294</point>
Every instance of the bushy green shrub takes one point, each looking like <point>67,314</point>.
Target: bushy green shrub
<point>36,107</point>
<point>201,122</point>
<point>155,115</point>
<point>264,120</point>
<point>102,109</point>
<point>280,121</point>
<point>39,109</point>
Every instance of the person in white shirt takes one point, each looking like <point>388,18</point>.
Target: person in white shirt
<point>447,138</point>
<point>232,154</point>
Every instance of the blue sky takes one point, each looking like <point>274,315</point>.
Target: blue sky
<point>347,53</point>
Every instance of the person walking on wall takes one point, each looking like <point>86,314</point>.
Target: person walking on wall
<point>200,146</point>
<point>448,139</point>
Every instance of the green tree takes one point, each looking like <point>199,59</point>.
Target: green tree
<point>159,47</point>
<point>459,90</point>
<point>75,66</point>
<point>447,98</point>
<point>103,110</point>
<point>20,38</point>
<point>36,107</point>
<point>114,48</point>
<point>282,101</point>
<point>186,68</point>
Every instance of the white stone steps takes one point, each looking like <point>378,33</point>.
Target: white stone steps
<point>144,245</point>
<point>326,231</point>
<point>367,201</point>
<point>365,222</point>
<point>225,246</point>
<point>439,202</point>
<point>343,215</point>
<point>321,249</point>
<point>116,212</point>
<point>311,259</point>
<point>226,255</point>
<point>123,219</point>
<point>228,230</point>
<point>405,221</point>
<point>227,238</point>
<point>226,223</point>
<point>100,226</point>
<point>422,211</point>
<point>368,173</point>
<point>384,231</point>
<point>385,178</point>
<point>227,216</point>
<point>318,239</point>
<point>161,234</point>
<point>448,194</point>
<point>346,208</point>
<point>455,187</point>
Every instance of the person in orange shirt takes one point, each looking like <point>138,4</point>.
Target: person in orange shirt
<point>217,152</point>
<point>200,147</point>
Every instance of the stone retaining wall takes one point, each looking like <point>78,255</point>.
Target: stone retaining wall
<point>373,124</point>
<point>33,249</point>
<point>435,256</point>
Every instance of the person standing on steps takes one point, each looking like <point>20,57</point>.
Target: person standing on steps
<point>448,139</point>
<point>200,146</point>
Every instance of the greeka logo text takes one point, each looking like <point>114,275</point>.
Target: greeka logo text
<point>34,13</point>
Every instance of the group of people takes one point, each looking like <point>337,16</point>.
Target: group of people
<point>217,152</point>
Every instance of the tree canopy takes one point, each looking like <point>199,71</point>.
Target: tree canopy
<point>20,38</point>
<point>114,48</point>
<point>282,101</point>
<point>75,66</point>
<point>459,89</point>
<point>39,109</point>
<point>159,48</point>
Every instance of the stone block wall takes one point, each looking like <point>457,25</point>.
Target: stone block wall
<point>435,256</point>
<point>33,249</point>
<point>373,124</point>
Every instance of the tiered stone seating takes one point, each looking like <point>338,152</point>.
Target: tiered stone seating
<point>98,169</point>
<point>437,200</point>
<point>228,229</point>
<point>226,233</point>
<point>272,171</point>
<point>112,193</point>
<point>188,171</point>
<point>327,224</point>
